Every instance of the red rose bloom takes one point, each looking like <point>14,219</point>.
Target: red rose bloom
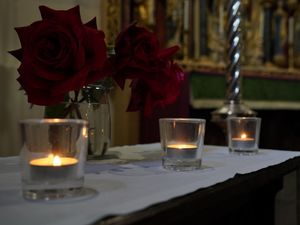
<point>59,54</point>
<point>159,90</point>
<point>138,53</point>
<point>156,79</point>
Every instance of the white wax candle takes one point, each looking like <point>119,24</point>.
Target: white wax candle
<point>243,142</point>
<point>53,168</point>
<point>53,160</point>
<point>181,151</point>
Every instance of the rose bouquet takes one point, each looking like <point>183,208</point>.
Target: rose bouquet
<point>59,54</point>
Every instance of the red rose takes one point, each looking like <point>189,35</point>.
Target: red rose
<point>156,79</point>
<point>158,90</point>
<point>138,53</point>
<point>59,54</point>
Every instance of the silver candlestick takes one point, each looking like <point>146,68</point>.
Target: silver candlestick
<point>233,105</point>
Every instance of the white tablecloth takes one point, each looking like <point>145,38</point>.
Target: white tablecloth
<point>132,181</point>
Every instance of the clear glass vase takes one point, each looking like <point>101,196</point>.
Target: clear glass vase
<point>97,112</point>
<point>91,104</point>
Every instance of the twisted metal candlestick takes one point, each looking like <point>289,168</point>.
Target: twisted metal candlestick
<point>234,38</point>
<point>233,105</point>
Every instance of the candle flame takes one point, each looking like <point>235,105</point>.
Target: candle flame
<point>182,146</point>
<point>243,136</point>
<point>56,161</point>
<point>84,132</point>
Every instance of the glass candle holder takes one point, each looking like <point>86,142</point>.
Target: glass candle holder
<point>182,143</point>
<point>243,135</point>
<point>53,157</point>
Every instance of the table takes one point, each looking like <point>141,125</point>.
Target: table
<point>133,188</point>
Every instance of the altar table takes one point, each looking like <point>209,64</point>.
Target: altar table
<point>131,187</point>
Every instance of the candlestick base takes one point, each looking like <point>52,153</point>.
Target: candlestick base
<point>231,108</point>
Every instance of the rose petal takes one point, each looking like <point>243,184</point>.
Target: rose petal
<point>168,52</point>
<point>30,70</point>
<point>92,23</point>
<point>53,46</point>
<point>70,16</point>
<point>73,82</point>
<point>23,33</point>
<point>17,53</point>
<point>39,97</point>
<point>99,74</point>
<point>95,48</point>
